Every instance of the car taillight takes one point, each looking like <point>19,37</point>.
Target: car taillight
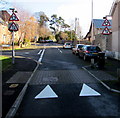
<point>87,51</point>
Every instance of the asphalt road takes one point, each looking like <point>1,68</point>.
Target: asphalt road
<point>75,92</point>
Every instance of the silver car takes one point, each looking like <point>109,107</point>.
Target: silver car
<point>67,45</point>
<point>75,50</point>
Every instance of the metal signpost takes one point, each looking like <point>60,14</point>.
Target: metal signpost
<point>106,23</point>
<point>13,27</point>
<point>106,30</point>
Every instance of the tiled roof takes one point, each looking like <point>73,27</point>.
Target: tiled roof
<point>98,23</point>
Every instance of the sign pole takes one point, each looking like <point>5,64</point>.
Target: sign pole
<point>106,31</point>
<point>13,27</point>
<point>13,51</point>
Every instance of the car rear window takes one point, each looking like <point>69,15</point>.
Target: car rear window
<point>68,43</point>
<point>80,46</point>
<point>93,48</point>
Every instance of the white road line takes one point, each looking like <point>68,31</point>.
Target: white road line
<point>27,53</point>
<point>39,51</point>
<point>41,56</point>
<point>60,50</point>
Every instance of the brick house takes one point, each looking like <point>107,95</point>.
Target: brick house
<point>5,35</point>
<point>104,42</point>
<point>115,13</point>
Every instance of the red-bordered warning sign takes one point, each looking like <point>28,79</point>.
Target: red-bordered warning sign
<point>106,23</point>
<point>13,27</point>
<point>13,17</point>
<point>106,31</point>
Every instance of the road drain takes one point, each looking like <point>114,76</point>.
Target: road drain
<point>13,85</point>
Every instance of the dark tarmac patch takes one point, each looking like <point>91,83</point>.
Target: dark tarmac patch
<point>9,92</point>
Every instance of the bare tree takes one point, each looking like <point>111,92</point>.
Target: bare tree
<point>27,26</point>
<point>44,32</point>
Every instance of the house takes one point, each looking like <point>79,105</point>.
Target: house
<point>96,29</point>
<point>115,13</point>
<point>4,15</point>
<point>5,35</point>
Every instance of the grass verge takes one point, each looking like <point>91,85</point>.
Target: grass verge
<point>21,48</point>
<point>6,62</point>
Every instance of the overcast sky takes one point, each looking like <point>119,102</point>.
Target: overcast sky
<point>69,9</point>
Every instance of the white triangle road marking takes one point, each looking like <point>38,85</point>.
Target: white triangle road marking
<point>87,91</point>
<point>47,92</point>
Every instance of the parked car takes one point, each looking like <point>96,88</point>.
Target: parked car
<point>89,51</point>
<point>67,45</point>
<point>75,49</point>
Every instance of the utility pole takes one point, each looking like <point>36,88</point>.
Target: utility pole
<point>75,40</point>
<point>13,51</point>
<point>92,33</point>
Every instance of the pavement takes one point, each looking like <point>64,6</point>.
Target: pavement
<point>10,90</point>
<point>108,75</point>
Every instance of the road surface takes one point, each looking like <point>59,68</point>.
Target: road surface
<point>61,88</point>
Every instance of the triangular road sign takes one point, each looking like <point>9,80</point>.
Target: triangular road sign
<point>13,27</point>
<point>87,91</point>
<point>106,31</point>
<point>106,23</point>
<point>13,17</point>
<point>47,92</point>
